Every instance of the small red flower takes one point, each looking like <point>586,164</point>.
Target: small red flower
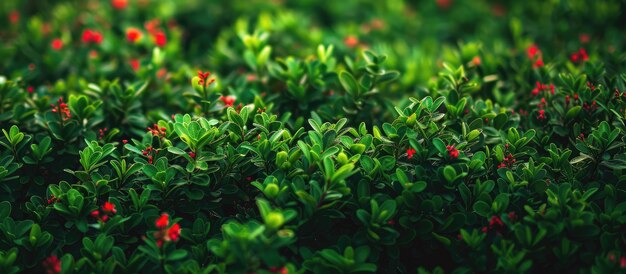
<point>158,131</point>
<point>109,208</point>
<point>584,38</point>
<point>532,51</point>
<point>228,100</point>
<point>30,89</point>
<point>542,114</point>
<point>452,152</point>
<point>62,109</point>
<point>192,155</point>
<point>91,37</point>
<point>124,141</point>
<point>160,39</point>
<point>95,213</point>
<point>163,221</point>
<point>174,232</point>
<point>52,265</point>
<point>622,262</point>
<point>508,161</point>
<point>351,41</point>
<point>444,4</point>
<point>57,44</point>
<point>611,257</point>
<point>119,4</point>
<point>512,216</point>
<point>14,17</point>
<point>476,61</point>
<point>538,63</point>
<point>133,34</point>
<point>580,55</point>
<point>410,152</point>
<point>134,63</point>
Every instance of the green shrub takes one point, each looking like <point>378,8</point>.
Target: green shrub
<point>324,140</point>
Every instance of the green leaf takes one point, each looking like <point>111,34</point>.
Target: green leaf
<point>349,84</point>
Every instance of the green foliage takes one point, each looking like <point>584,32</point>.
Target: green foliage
<point>323,140</point>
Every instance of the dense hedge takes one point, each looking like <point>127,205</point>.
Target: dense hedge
<point>329,137</point>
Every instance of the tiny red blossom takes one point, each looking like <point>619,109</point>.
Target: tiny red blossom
<point>542,114</point>
<point>452,152</point>
<point>532,51</point>
<point>14,17</point>
<point>109,207</point>
<point>410,152</point>
<point>174,232</point>
<point>351,41</point>
<point>476,61</point>
<point>91,37</point>
<point>444,4</point>
<point>163,221</point>
<point>228,100</point>
<point>52,265</point>
<point>119,4</point>
<point>57,44</point>
<point>160,39</point>
<point>62,109</point>
<point>133,34</point>
<point>134,63</point>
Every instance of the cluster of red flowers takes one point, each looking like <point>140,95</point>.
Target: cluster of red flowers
<point>155,31</point>
<point>228,100</point>
<point>107,209</point>
<point>52,265</point>
<point>91,37</point>
<point>590,107</point>
<point>580,55</point>
<point>539,87</point>
<point>53,199</point>
<point>534,54</point>
<point>148,152</point>
<point>452,152</point>
<point>542,114</point>
<point>61,108</point>
<point>508,160</point>
<point>410,152</point>
<point>102,132</point>
<point>204,78</point>
<point>591,86</point>
<point>166,234</point>
<point>496,224</point>
<point>157,131</point>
